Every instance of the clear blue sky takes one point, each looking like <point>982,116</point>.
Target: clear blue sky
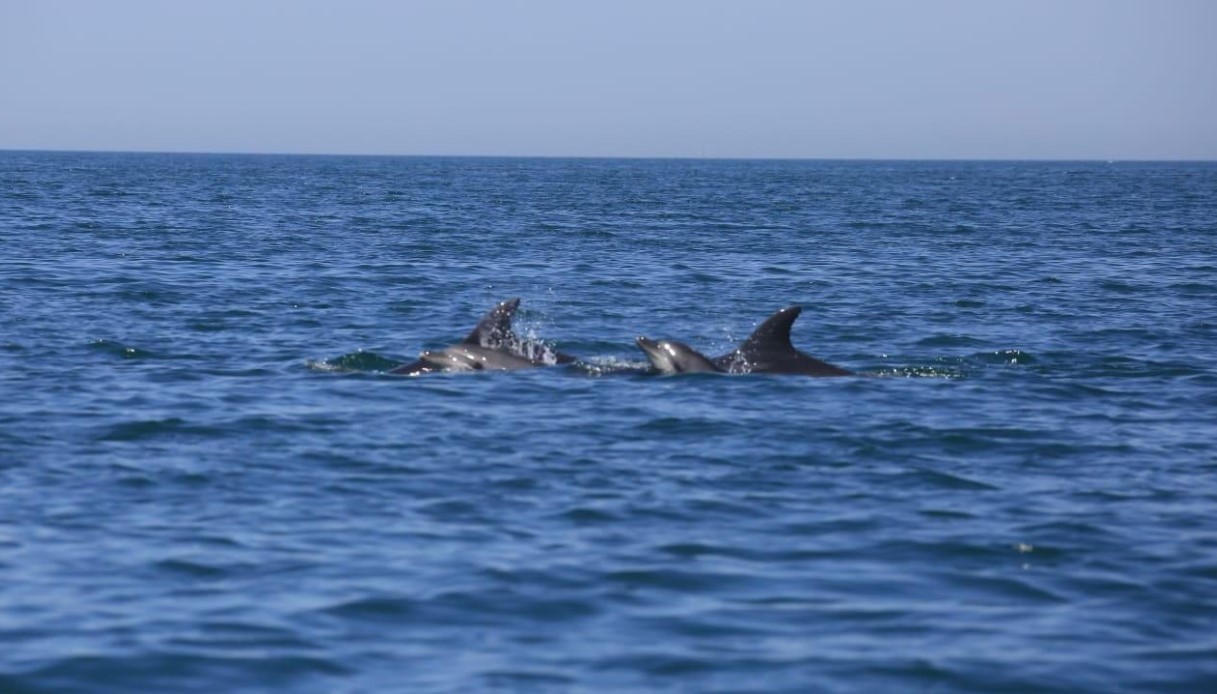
<point>1098,79</point>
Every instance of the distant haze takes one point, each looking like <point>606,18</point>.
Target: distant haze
<point>1088,79</point>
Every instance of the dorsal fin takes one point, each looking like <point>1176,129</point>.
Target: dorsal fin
<point>494,330</point>
<point>773,334</point>
<point>769,350</point>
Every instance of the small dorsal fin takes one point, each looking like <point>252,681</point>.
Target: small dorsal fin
<point>494,330</point>
<point>774,333</point>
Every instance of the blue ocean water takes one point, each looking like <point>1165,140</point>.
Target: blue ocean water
<point>209,483</point>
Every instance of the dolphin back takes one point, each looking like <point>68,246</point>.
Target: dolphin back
<point>769,350</point>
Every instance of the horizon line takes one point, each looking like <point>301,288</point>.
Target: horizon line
<point>622,157</point>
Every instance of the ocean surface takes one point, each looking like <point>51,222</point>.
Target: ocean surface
<point>209,482</point>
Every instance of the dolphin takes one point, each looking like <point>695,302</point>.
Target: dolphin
<point>672,357</point>
<point>767,350</point>
<point>491,346</point>
<point>472,358</point>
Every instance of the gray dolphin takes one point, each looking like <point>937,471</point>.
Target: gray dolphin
<point>491,346</point>
<point>767,350</point>
<point>672,357</point>
<point>472,358</point>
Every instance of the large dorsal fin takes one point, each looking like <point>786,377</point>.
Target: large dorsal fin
<point>773,334</point>
<point>769,350</point>
<point>494,330</point>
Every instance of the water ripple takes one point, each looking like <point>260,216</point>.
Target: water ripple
<point>208,481</point>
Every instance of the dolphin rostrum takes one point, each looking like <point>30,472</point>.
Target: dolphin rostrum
<point>767,350</point>
<point>491,346</point>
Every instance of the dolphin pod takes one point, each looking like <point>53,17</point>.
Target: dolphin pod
<point>494,346</point>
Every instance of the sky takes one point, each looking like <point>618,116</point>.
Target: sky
<point>886,79</point>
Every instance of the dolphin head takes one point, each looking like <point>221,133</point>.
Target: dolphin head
<point>672,357</point>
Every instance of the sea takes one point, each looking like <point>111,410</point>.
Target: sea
<point>210,481</point>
